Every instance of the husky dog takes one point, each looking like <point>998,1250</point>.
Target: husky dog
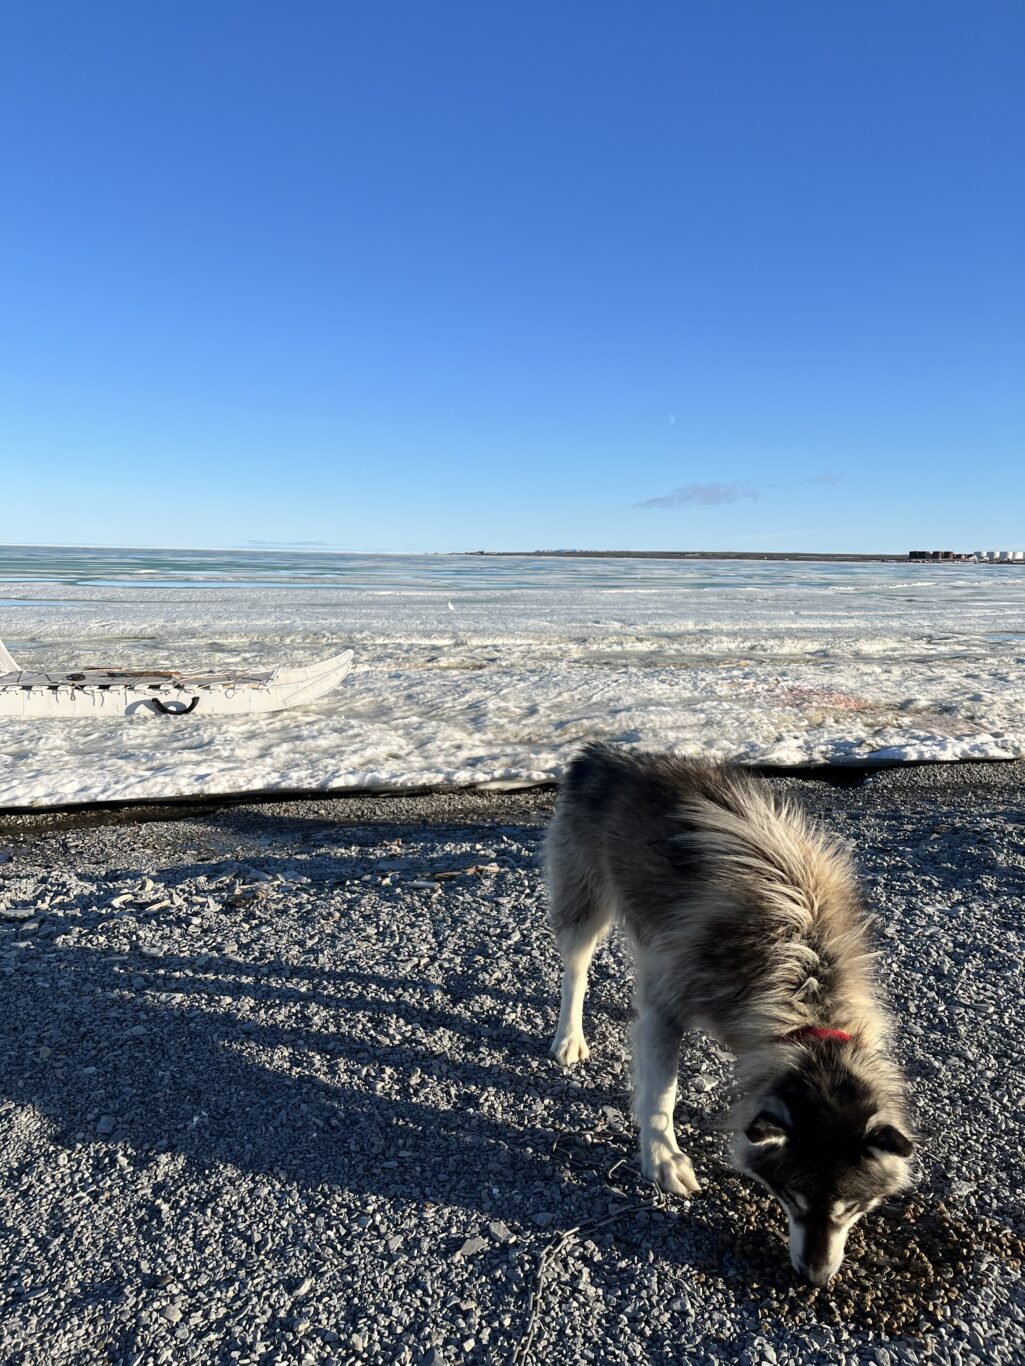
<point>745,921</point>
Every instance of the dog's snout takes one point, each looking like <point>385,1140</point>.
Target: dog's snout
<point>817,1275</point>
<point>816,1251</point>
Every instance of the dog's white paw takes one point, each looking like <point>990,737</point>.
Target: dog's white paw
<point>672,1172</point>
<point>569,1048</point>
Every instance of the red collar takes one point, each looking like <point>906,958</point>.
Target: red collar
<point>817,1032</point>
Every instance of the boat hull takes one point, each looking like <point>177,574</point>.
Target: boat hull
<point>175,696</point>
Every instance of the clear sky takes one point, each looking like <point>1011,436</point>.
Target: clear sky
<point>728,274</point>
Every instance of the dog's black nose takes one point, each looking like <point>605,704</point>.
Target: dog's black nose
<point>818,1275</point>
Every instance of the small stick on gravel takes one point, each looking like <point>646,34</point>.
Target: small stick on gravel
<point>549,1254</point>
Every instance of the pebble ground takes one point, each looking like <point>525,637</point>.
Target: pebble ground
<point>274,1087</point>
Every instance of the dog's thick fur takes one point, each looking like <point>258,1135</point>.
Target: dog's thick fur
<point>745,921</point>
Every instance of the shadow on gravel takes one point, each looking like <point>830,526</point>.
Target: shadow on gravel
<point>298,829</point>
<point>308,1094</point>
<point>378,1081</point>
<point>164,1056</point>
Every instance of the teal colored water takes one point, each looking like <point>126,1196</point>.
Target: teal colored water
<point>144,568</point>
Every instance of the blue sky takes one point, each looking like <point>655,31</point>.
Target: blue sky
<point>471,275</point>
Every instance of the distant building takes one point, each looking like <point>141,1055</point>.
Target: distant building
<point>964,556</point>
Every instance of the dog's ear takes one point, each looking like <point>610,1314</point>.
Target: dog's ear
<point>766,1128</point>
<point>889,1139</point>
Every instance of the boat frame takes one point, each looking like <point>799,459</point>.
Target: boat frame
<point>119,692</point>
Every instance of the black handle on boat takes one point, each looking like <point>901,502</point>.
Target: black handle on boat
<point>174,711</point>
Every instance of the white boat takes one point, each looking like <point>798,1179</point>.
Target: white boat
<point>123,692</point>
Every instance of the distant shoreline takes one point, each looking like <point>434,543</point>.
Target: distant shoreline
<point>690,555</point>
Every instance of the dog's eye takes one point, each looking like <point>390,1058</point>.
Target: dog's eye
<point>853,1209</point>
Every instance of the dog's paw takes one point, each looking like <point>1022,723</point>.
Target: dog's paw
<point>570,1048</point>
<point>672,1172</point>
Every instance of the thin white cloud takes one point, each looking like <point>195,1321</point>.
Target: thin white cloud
<point>704,495</point>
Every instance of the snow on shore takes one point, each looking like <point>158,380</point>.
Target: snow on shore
<point>492,672</point>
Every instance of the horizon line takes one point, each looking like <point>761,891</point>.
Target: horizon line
<point>306,549</point>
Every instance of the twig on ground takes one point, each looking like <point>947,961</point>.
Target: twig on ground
<point>549,1253</point>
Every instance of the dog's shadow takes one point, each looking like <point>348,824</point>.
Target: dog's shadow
<point>368,1081</point>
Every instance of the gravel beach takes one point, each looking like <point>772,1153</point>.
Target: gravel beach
<point>274,1087</point>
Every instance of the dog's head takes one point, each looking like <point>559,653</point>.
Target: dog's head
<point>830,1145</point>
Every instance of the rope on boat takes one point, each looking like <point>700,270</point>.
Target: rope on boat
<point>173,710</point>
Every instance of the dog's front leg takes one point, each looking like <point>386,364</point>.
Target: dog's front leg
<point>656,1060</point>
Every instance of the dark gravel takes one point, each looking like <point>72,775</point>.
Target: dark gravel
<point>274,1087</point>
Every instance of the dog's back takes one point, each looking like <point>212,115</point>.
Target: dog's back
<point>618,816</point>
<point>614,799</point>
<point>653,831</point>
<point>743,900</point>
